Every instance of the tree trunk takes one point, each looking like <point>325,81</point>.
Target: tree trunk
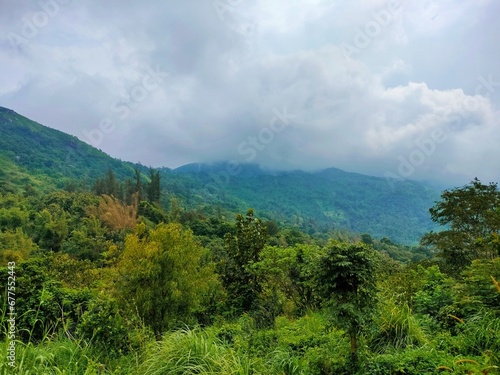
<point>354,347</point>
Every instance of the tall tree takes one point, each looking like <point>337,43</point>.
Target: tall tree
<point>471,216</point>
<point>138,184</point>
<point>154,186</point>
<point>50,227</point>
<point>164,276</point>
<point>107,185</point>
<point>346,280</point>
<point>242,251</point>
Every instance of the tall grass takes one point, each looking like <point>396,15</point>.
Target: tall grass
<point>50,357</point>
<point>192,351</point>
<point>305,346</point>
<point>397,328</point>
<point>57,353</point>
<point>481,335</point>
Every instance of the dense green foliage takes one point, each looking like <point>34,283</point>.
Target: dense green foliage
<point>472,217</point>
<point>117,276</point>
<point>346,280</point>
<point>242,250</point>
<point>103,289</point>
<point>163,276</point>
<point>321,200</point>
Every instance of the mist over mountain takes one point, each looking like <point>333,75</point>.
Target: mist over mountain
<point>328,199</point>
<point>306,87</point>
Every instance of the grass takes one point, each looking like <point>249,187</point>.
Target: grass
<point>397,328</point>
<point>303,346</point>
<point>193,352</point>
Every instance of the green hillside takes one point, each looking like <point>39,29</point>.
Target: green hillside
<point>329,199</point>
<point>33,153</point>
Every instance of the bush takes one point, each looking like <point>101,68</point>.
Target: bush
<point>104,327</point>
<point>43,305</point>
<point>422,361</point>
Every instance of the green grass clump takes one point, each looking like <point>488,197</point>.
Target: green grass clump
<point>397,328</point>
<point>192,351</point>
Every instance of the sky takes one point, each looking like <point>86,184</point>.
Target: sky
<point>401,89</point>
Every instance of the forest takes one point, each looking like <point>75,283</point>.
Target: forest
<point>110,279</point>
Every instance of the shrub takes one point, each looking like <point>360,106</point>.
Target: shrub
<point>104,327</point>
<point>421,361</point>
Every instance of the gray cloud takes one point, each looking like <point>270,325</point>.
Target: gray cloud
<point>167,83</point>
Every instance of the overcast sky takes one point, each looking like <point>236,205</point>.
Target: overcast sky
<point>405,89</point>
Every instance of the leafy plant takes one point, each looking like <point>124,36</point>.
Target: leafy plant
<point>346,279</point>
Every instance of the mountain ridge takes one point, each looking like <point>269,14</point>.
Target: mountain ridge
<point>33,154</point>
<point>331,198</point>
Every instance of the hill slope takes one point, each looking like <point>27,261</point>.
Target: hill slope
<point>31,153</point>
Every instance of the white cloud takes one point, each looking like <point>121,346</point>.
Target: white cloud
<point>226,78</point>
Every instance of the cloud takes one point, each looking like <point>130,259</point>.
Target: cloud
<point>225,76</point>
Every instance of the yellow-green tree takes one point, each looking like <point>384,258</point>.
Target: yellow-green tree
<point>164,276</point>
<point>15,246</point>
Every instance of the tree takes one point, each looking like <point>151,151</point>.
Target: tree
<point>174,213</point>
<point>107,185</point>
<point>367,239</point>
<point>15,246</point>
<point>154,186</point>
<point>114,214</point>
<point>434,296</point>
<point>346,280</point>
<point>471,215</point>
<point>242,251</point>
<point>138,184</point>
<point>87,240</point>
<point>287,272</point>
<point>476,290</point>
<point>14,212</point>
<point>164,276</point>
<point>51,227</point>
<point>128,191</point>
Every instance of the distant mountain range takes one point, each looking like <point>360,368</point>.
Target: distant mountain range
<point>45,159</point>
<point>329,199</point>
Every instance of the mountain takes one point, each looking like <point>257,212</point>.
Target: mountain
<point>35,156</point>
<point>45,158</point>
<point>327,199</point>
